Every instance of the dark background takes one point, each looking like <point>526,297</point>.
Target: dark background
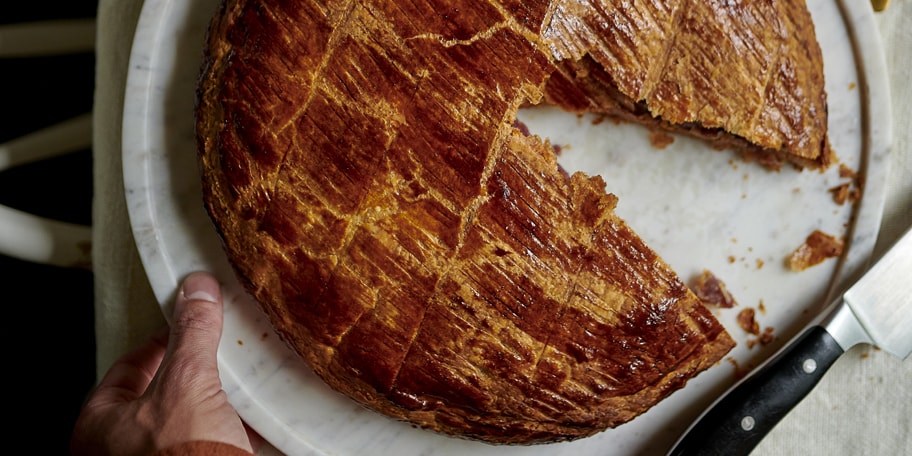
<point>49,339</point>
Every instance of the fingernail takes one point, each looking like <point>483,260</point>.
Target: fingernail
<point>202,287</point>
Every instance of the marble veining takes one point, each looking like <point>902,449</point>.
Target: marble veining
<point>698,208</point>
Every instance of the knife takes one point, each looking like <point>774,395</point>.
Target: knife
<point>876,310</point>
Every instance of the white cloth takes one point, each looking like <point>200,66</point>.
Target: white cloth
<point>126,311</point>
<point>863,406</point>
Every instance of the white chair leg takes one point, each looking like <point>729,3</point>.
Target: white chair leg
<point>40,38</point>
<point>37,239</point>
<point>68,136</point>
<point>41,240</point>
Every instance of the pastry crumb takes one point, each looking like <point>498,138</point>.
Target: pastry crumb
<point>818,247</point>
<point>712,292</point>
<point>762,339</point>
<point>846,172</point>
<point>747,322</point>
<point>845,193</point>
<point>660,139</point>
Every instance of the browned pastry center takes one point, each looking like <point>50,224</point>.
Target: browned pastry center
<point>360,162</point>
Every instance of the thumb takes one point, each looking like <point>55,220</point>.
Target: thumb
<point>196,323</point>
<point>187,391</point>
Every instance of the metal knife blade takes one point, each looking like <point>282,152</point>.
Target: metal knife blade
<point>875,310</point>
<point>882,300</point>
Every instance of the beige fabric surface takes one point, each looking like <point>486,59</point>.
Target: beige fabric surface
<point>863,406</point>
<point>126,311</point>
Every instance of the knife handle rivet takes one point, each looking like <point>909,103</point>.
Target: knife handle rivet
<point>747,423</point>
<point>809,365</point>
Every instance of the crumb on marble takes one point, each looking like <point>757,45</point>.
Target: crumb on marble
<point>712,291</point>
<point>660,139</point>
<point>747,322</point>
<point>818,247</point>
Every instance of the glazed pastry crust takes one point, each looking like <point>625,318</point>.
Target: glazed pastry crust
<point>423,255</point>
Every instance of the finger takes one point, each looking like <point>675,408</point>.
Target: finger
<point>196,324</point>
<point>131,374</point>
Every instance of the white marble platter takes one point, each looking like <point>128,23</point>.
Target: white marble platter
<point>697,207</point>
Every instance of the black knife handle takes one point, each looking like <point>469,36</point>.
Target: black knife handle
<point>736,423</point>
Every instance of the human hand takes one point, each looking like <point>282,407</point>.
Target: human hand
<point>167,391</point>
